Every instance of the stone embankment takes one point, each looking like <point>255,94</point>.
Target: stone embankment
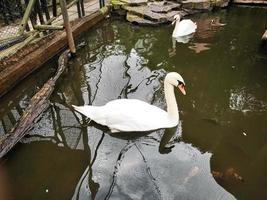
<point>145,12</point>
<point>256,2</point>
<point>151,12</point>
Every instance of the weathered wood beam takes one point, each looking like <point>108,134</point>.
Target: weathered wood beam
<point>38,104</point>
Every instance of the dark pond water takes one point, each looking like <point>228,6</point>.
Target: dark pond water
<point>218,151</point>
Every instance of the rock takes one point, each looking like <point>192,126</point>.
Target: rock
<point>197,4</point>
<point>170,15</point>
<point>221,3</point>
<point>117,3</point>
<point>159,12</point>
<point>250,1</point>
<point>135,2</point>
<point>140,20</point>
<point>146,12</point>
<point>204,4</point>
<point>163,6</point>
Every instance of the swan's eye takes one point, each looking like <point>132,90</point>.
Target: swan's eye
<point>180,83</point>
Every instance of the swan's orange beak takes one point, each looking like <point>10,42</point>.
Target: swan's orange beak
<point>182,88</point>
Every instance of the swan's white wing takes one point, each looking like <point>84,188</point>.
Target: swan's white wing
<point>184,27</point>
<point>132,115</point>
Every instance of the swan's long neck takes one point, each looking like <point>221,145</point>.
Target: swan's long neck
<point>177,21</point>
<point>172,108</point>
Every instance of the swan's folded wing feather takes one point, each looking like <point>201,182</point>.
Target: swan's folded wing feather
<point>128,115</point>
<point>186,27</point>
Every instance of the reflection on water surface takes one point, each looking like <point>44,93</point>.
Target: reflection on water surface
<point>207,156</point>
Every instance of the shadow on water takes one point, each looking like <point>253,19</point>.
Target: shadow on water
<point>221,135</point>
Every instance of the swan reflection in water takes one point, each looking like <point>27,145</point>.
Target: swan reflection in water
<point>178,171</point>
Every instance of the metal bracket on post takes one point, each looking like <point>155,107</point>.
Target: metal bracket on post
<point>67,26</point>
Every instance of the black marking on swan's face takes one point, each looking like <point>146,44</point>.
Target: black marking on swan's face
<point>180,83</point>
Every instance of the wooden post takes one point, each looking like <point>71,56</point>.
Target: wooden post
<point>26,16</point>
<point>39,12</point>
<point>45,9</point>
<point>67,26</point>
<point>54,5</point>
<point>79,9</point>
<point>101,3</point>
<point>82,6</point>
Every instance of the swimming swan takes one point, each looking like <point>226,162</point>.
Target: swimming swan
<point>184,27</point>
<point>136,115</point>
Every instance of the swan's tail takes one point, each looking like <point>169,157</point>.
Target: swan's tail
<point>85,110</point>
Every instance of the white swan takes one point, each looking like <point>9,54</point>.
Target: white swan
<point>184,27</point>
<point>135,115</point>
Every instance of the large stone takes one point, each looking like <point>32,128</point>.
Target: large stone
<point>251,1</point>
<point>146,12</point>
<point>163,6</point>
<point>204,4</point>
<point>117,3</point>
<point>197,4</point>
<point>135,2</point>
<point>140,20</point>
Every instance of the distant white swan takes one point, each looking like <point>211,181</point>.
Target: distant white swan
<point>136,115</point>
<point>183,28</point>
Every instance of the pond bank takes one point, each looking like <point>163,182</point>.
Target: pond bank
<point>152,13</point>
<point>16,67</point>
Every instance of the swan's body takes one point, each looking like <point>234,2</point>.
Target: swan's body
<point>184,27</point>
<point>135,115</point>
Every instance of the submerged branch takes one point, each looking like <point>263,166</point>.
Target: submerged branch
<point>38,104</point>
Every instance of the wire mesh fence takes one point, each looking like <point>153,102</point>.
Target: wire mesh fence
<point>11,13</point>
